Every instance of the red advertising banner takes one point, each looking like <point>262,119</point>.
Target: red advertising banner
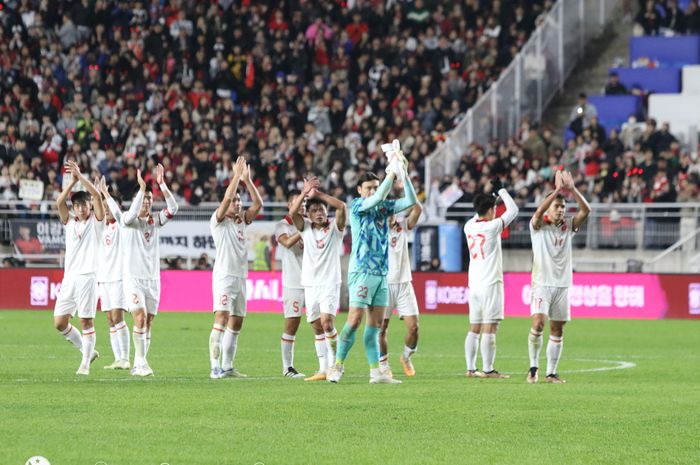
<point>593,295</point>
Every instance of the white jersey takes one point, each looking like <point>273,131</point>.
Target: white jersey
<point>111,253</point>
<point>82,245</point>
<point>322,247</point>
<point>485,257</point>
<point>291,258</point>
<point>399,261</point>
<point>484,242</point>
<point>231,247</point>
<point>142,245</point>
<point>140,238</point>
<point>551,249</point>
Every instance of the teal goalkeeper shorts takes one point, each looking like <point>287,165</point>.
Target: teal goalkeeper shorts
<point>367,290</point>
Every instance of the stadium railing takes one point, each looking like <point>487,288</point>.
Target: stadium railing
<point>529,83</point>
<point>631,226</point>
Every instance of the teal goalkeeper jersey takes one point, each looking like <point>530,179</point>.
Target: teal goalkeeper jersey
<point>370,237</point>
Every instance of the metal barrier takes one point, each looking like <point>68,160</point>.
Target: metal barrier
<point>643,226</point>
<point>528,84</point>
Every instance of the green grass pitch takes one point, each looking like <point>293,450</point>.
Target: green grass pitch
<point>644,414</point>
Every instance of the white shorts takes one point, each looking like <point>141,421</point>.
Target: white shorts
<point>551,301</point>
<point>321,299</point>
<point>111,295</point>
<point>78,294</point>
<point>292,302</point>
<point>142,293</point>
<point>402,297</point>
<point>229,294</point>
<point>486,304</point>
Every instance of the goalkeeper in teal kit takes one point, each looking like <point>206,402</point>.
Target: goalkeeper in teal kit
<point>367,274</point>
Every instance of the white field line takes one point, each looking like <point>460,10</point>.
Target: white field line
<point>615,365</point>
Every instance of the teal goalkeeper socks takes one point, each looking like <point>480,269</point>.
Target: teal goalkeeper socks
<point>371,339</point>
<point>345,342</point>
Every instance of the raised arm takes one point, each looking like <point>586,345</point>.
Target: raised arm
<point>96,200</point>
<point>172,207</point>
<point>289,241</point>
<point>252,211</point>
<point>111,203</point>
<point>511,208</point>
<point>409,198</point>
<point>295,208</point>
<point>231,190</point>
<point>137,201</point>
<point>584,209</point>
<point>341,210</point>
<point>414,216</point>
<point>61,201</point>
<point>538,217</point>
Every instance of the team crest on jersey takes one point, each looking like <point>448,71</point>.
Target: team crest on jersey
<point>564,227</point>
<point>320,243</point>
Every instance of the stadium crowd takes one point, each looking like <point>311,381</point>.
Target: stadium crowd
<point>297,87</point>
<point>643,162</point>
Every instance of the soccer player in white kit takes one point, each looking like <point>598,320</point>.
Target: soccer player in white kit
<point>79,286</point>
<point>483,234</point>
<point>110,284</point>
<point>320,271</point>
<point>552,274</point>
<point>291,252</point>
<point>141,243</point>
<point>402,296</point>
<point>228,228</point>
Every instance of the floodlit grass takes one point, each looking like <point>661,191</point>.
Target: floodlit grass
<point>647,413</point>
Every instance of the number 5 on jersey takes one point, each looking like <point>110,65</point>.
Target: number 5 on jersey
<point>472,242</point>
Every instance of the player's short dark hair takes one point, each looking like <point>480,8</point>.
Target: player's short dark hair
<point>80,197</point>
<point>293,193</point>
<point>367,176</point>
<point>314,201</point>
<point>483,203</point>
<point>149,189</point>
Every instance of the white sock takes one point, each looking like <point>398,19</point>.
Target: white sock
<point>383,361</point>
<point>123,340</point>
<point>89,340</point>
<point>72,335</point>
<point>229,344</point>
<point>331,346</point>
<point>114,342</point>
<point>488,351</point>
<point>554,348</point>
<point>139,346</point>
<point>471,346</point>
<point>374,372</point>
<point>217,332</point>
<point>534,345</point>
<point>408,352</point>
<point>147,336</point>
<point>287,345</point>
<point>321,349</point>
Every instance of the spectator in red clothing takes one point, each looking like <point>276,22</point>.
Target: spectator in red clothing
<point>27,243</point>
<point>356,28</point>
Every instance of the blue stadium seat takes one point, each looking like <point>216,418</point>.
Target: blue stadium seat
<point>658,80</point>
<point>668,51</point>
<point>613,110</point>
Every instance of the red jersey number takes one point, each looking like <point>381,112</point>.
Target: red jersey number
<point>476,241</point>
